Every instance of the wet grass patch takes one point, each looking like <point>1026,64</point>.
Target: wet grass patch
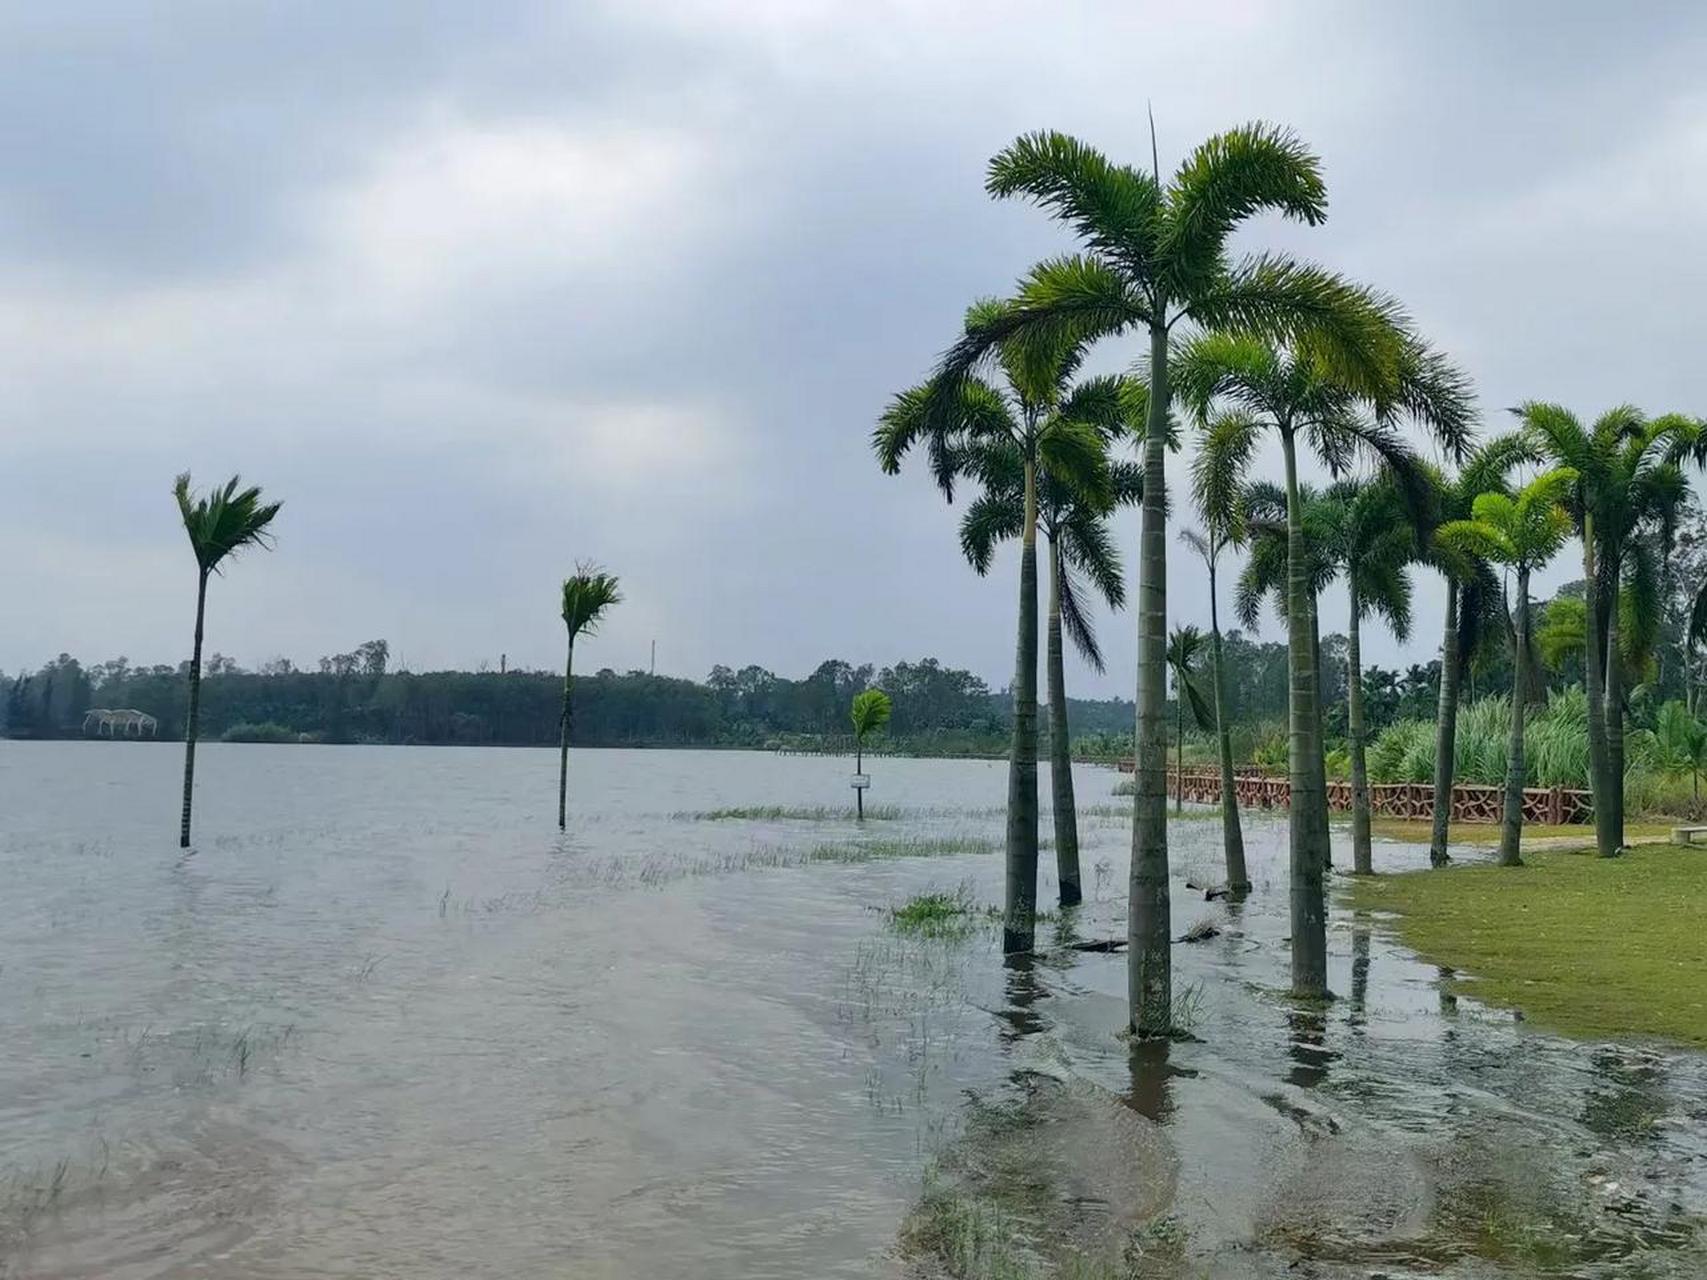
<point>788,813</point>
<point>936,915</point>
<point>1588,946</point>
<point>1486,835</point>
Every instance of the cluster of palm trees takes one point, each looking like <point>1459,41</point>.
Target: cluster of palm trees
<point>1248,349</point>
<point>230,517</point>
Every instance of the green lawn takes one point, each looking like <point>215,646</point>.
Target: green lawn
<point>1418,830</point>
<point>1586,946</point>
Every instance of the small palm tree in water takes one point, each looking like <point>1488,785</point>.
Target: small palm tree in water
<point>219,523</point>
<point>1187,648</point>
<point>870,713</point>
<point>586,596</point>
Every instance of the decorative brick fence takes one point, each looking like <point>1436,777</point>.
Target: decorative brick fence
<point>1470,802</point>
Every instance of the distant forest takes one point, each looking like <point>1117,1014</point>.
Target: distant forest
<point>358,697</point>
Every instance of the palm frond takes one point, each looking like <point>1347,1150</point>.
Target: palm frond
<point>587,594</point>
<point>990,518</point>
<point>1226,180</point>
<point>1113,208</point>
<point>1218,473</point>
<point>1075,621</point>
<point>224,520</point>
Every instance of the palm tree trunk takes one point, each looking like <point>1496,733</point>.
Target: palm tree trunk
<point>192,719</point>
<point>563,741</point>
<point>1605,834</point>
<point>1149,961</point>
<point>1309,856</point>
<point>1019,920</point>
<point>1232,834</point>
<point>1179,743</point>
<point>1511,825</point>
<point>859,768</point>
<point>1060,746</point>
<point>1362,860</point>
<point>1615,722</point>
<point>1445,732</point>
<point>1323,840</point>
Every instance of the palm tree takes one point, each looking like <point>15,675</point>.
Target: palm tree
<point>1155,258</point>
<point>1522,533</point>
<point>1185,660</point>
<point>1054,427</point>
<point>1373,545</point>
<point>1628,485</point>
<point>1679,742</point>
<point>1217,493</point>
<point>1470,596</point>
<point>870,712</point>
<point>220,523</point>
<point>1290,391</point>
<point>586,596</point>
<point>1080,543</point>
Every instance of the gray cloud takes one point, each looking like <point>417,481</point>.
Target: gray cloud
<point>482,290</point>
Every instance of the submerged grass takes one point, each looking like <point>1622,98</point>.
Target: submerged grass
<point>786,813</point>
<point>1588,946</point>
<point>936,915</point>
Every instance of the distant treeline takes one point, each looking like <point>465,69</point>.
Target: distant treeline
<point>358,697</point>
<point>355,697</point>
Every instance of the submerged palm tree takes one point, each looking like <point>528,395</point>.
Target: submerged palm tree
<point>219,523</point>
<point>870,712</point>
<point>1080,546</point>
<point>1185,660</point>
<point>586,596</point>
<point>1471,596</point>
<point>1522,533</point>
<point>1289,390</point>
<point>1051,426</point>
<point>1624,501</point>
<point>1155,258</point>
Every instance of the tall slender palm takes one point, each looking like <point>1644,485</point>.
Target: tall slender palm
<point>1209,547</point>
<point>1155,258</point>
<point>1290,391</point>
<point>1055,427</point>
<point>1186,651</point>
<point>1522,533</point>
<point>1374,544</point>
<point>1628,485</point>
<point>870,711</point>
<point>1471,594</point>
<point>1080,544</point>
<point>587,595</point>
<point>220,523</point>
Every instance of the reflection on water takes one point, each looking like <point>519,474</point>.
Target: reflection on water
<point>385,1021</point>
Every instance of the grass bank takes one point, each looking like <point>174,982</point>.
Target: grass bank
<point>1586,946</point>
<point>1419,830</point>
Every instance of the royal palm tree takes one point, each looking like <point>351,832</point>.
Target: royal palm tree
<point>1289,390</point>
<point>1628,486</point>
<point>220,523</point>
<point>1054,427</point>
<point>1080,546</point>
<point>1186,651</point>
<point>1374,542</point>
<point>1217,492</point>
<point>586,597</point>
<point>1155,259</point>
<point>1523,534</point>
<point>870,712</point>
<point>1471,596</point>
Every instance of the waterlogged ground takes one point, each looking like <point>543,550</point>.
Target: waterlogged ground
<point>384,1021</point>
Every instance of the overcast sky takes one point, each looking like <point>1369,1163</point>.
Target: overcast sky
<point>479,290</point>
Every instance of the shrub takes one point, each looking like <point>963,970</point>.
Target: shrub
<point>268,731</point>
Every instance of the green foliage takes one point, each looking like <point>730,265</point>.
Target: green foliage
<point>1555,744</point>
<point>586,597</point>
<point>223,521</point>
<point>871,711</point>
<point>267,731</point>
<point>1188,650</point>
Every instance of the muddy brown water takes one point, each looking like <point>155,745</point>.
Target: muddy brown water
<point>385,1021</point>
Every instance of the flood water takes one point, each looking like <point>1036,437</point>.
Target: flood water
<point>385,1021</point>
